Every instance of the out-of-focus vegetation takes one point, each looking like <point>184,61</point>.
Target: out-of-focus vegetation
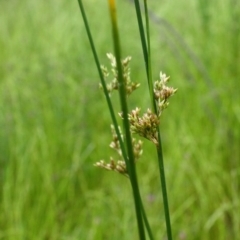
<point>55,124</point>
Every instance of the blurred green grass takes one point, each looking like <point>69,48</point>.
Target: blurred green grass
<point>55,124</point>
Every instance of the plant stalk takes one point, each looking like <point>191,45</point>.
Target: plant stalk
<point>123,100</point>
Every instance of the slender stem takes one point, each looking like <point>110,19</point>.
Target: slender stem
<point>109,103</point>
<point>164,187</point>
<point>149,231</point>
<point>142,34</point>
<point>122,93</point>
<point>159,147</point>
<point>150,82</point>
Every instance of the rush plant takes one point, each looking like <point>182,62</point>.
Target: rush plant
<point>134,123</point>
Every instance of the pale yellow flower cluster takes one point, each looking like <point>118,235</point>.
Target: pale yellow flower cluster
<point>145,126</point>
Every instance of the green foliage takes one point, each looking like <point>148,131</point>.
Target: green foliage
<point>54,122</point>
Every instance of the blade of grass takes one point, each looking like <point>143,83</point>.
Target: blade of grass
<point>149,230</point>
<point>159,147</point>
<point>142,34</point>
<point>150,82</point>
<point>164,187</point>
<point>109,103</point>
<point>123,100</point>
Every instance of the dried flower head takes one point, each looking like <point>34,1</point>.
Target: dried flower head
<point>120,165</point>
<point>117,166</point>
<point>162,92</point>
<point>137,148</point>
<point>146,126</point>
<point>113,85</point>
<point>115,141</point>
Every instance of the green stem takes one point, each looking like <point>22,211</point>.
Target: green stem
<point>149,231</point>
<point>142,34</point>
<point>123,100</point>
<point>150,82</point>
<point>159,148</point>
<point>109,103</point>
<point>164,187</point>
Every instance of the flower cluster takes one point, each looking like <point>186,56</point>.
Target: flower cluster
<point>162,92</point>
<point>115,144</point>
<point>145,126</point>
<point>120,165</point>
<point>113,85</point>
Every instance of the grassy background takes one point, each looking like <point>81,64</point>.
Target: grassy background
<point>55,124</point>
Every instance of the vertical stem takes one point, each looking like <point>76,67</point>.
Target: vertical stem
<point>149,231</point>
<point>142,34</point>
<point>122,93</point>
<point>149,73</point>
<point>159,147</point>
<point>109,103</point>
<point>164,187</point>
